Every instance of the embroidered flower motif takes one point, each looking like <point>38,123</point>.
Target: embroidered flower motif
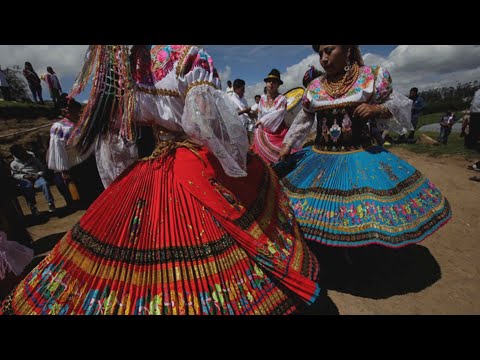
<point>163,59</point>
<point>162,55</point>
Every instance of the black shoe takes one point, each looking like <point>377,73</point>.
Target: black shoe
<point>51,208</point>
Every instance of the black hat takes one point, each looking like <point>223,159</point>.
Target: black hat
<point>274,74</point>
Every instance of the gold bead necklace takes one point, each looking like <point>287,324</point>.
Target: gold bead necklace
<point>337,88</point>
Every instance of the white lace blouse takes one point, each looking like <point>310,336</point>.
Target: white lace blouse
<point>179,89</point>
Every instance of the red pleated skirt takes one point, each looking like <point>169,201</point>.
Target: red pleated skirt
<point>268,145</point>
<point>175,235</point>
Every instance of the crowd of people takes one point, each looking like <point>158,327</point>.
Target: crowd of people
<point>220,216</point>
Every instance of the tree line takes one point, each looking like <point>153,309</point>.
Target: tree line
<point>449,98</point>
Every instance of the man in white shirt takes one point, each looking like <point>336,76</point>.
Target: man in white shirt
<point>229,88</point>
<point>241,103</point>
<point>251,124</point>
<point>255,106</point>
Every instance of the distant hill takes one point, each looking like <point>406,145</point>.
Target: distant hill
<point>26,110</point>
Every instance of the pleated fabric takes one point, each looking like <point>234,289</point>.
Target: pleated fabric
<point>175,235</point>
<point>363,197</point>
<point>268,145</point>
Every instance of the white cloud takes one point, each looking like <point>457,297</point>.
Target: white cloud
<point>423,66</point>
<point>64,59</point>
<point>225,76</point>
<point>291,78</point>
<point>430,66</point>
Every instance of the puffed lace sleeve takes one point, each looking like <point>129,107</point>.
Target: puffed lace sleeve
<point>302,124</point>
<point>209,117</point>
<point>113,155</point>
<point>399,105</point>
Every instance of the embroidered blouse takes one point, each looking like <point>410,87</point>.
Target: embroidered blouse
<point>337,129</point>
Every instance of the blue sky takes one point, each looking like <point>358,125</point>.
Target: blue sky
<point>253,63</point>
<point>423,66</point>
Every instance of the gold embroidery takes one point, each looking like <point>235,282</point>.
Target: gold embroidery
<point>160,92</point>
<point>199,83</point>
<point>181,62</point>
<point>338,106</point>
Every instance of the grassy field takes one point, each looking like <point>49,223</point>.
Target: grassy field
<point>435,118</point>
<point>454,147</point>
<point>455,142</point>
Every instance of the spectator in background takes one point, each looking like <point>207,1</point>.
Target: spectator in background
<point>240,102</point>
<point>60,157</point>
<point>34,82</point>
<point>29,171</point>
<point>229,88</point>
<point>446,124</point>
<point>15,241</point>
<point>76,168</point>
<point>12,221</point>
<point>4,86</point>
<point>417,107</point>
<point>254,107</point>
<point>53,85</point>
<point>251,124</point>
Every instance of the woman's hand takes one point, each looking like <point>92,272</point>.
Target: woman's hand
<point>284,152</point>
<point>367,111</point>
<point>258,123</point>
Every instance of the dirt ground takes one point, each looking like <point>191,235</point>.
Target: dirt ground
<point>441,275</point>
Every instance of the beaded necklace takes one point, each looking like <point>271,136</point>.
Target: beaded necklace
<point>337,88</point>
<point>271,101</point>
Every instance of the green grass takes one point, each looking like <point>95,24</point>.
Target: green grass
<point>435,118</point>
<point>454,147</point>
<point>429,119</point>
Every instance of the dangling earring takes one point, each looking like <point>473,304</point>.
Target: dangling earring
<point>346,68</point>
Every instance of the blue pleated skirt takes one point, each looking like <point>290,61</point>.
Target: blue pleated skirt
<point>365,197</point>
